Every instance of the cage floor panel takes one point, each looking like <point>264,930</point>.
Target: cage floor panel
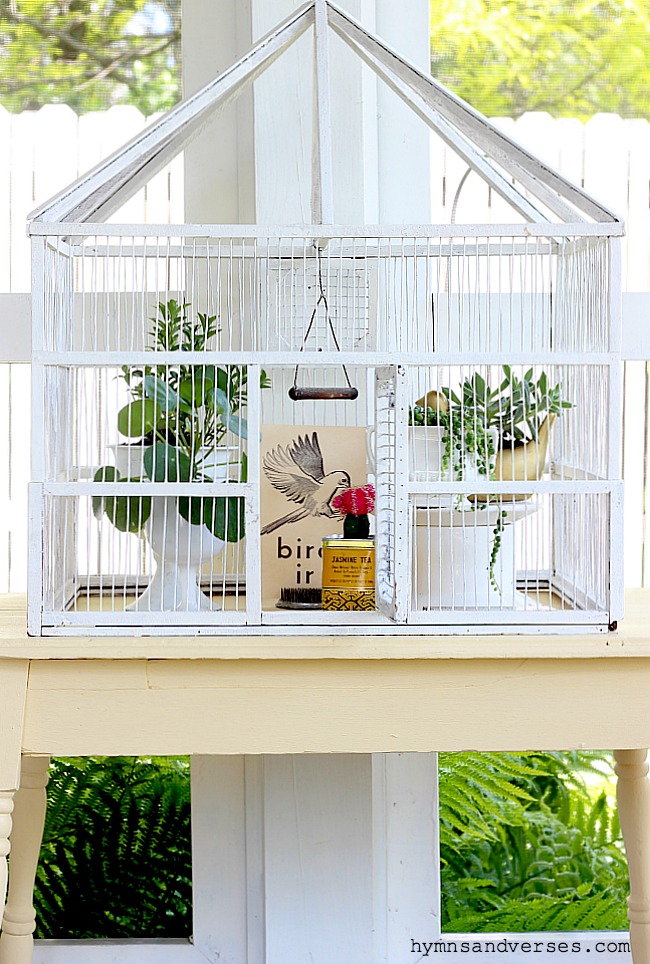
<point>531,600</point>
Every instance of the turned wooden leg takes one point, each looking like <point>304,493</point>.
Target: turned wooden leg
<point>16,940</point>
<point>6,808</point>
<point>633,795</point>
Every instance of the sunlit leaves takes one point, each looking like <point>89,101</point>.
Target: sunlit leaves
<point>571,59</point>
<point>529,842</point>
<point>89,54</point>
<point>116,855</point>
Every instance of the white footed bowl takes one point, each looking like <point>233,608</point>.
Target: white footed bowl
<point>179,548</point>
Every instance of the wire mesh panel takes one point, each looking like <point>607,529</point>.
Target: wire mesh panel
<point>472,377</point>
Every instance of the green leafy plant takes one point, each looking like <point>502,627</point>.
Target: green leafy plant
<point>116,855</point>
<point>464,437</point>
<point>516,408</point>
<point>179,414</point>
<point>529,842</point>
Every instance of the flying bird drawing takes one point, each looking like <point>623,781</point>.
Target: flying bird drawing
<point>297,471</point>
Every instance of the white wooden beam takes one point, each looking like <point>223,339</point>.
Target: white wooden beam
<point>636,326</point>
<point>215,34</point>
<point>315,858</point>
<point>580,947</point>
<point>283,125</point>
<point>322,202</point>
<point>104,189</point>
<point>404,184</point>
<point>116,952</point>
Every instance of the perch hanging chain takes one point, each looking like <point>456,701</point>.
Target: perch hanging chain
<point>297,394</point>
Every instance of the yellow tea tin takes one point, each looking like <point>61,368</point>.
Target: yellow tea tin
<point>348,573</point>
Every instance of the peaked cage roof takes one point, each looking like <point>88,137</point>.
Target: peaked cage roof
<point>539,194</point>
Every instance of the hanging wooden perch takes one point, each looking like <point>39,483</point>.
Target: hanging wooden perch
<point>304,394</point>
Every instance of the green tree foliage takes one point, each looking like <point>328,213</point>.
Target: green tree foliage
<point>572,58</point>
<point>116,855</point>
<point>89,54</point>
<point>527,844</point>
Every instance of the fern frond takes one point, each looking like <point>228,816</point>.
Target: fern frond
<point>116,856</point>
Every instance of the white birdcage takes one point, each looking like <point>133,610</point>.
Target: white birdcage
<point>155,346</point>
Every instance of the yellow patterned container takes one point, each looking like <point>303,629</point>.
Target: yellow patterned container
<point>348,573</point>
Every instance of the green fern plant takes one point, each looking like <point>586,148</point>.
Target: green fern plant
<point>116,855</point>
<point>527,845</point>
<point>598,911</point>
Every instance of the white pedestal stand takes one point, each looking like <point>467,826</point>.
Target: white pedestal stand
<point>451,556</point>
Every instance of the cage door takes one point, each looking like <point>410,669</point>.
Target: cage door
<point>393,536</point>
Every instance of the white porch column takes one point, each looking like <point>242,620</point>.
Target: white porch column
<point>253,162</point>
<point>309,858</point>
<point>219,167</point>
<point>314,858</point>
<point>404,174</point>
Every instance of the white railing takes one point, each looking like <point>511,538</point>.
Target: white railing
<point>608,156</point>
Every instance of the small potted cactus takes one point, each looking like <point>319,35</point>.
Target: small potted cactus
<point>355,506</point>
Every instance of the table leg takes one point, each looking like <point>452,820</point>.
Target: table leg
<point>633,795</point>
<point>13,687</point>
<point>6,809</point>
<point>16,940</point>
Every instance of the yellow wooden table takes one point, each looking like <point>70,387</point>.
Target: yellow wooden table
<point>178,695</point>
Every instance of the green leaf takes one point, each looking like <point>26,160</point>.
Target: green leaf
<point>137,418</point>
<point>220,402</point>
<point>237,425</point>
<point>191,509</point>
<point>128,513</point>
<point>166,463</point>
<point>223,380</point>
<point>479,384</point>
<point>162,393</point>
<point>196,388</point>
<point>225,518</point>
<point>107,473</point>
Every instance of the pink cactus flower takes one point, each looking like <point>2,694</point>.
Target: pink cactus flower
<point>359,501</point>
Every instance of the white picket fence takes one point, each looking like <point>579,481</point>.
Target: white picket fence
<point>41,152</point>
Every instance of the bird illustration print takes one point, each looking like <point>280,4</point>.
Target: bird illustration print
<point>298,472</point>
